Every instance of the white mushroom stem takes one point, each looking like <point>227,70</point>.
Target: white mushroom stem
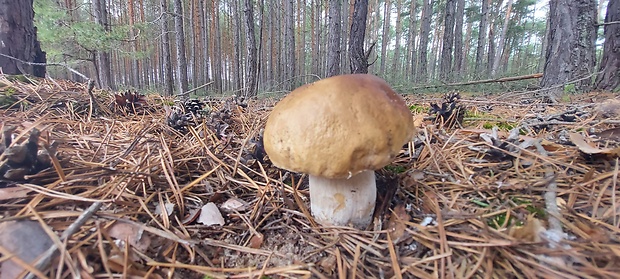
<point>343,202</point>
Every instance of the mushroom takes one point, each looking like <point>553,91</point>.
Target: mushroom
<point>339,130</point>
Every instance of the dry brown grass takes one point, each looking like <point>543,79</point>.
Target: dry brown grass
<point>488,215</point>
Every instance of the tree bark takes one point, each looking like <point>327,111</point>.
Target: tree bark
<point>357,55</point>
<point>491,48</point>
<point>502,40</point>
<point>335,30</point>
<point>251,73</point>
<point>543,46</point>
<point>458,40</point>
<point>235,20</point>
<point>180,46</point>
<point>609,78</point>
<point>467,48</point>
<point>448,42</point>
<point>194,41</point>
<point>345,15</point>
<point>385,35</point>
<point>482,32</point>
<point>216,59</point>
<point>425,30</point>
<point>102,58</point>
<point>289,41</point>
<point>18,38</point>
<point>570,56</point>
<point>135,77</point>
<point>300,50</point>
<point>165,45</point>
<point>396,60</point>
<point>411,39</point>
<point>205,70</point>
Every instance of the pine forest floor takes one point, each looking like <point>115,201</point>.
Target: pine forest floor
<point>521,189</point>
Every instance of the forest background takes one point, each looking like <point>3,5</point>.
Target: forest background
<point>251,47</point>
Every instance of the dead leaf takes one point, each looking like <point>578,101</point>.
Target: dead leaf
<point>134,235</point>
<point>418,120</point>
<point>235,204</point>
<point>581,143</point>
<point>256,241</point>
<point>417,175</point>
<point>530,231</point>
<point>210,215</point>
<point>550,146</point>
<point>169,207</point>
<point>396,225</point>
<point>26,240</point>
<point>610,134</point>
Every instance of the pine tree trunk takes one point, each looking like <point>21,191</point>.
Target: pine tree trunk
<point>269,47</point>
<point>236,41</point>
<point>467,48</point>
<point>335,30</point>
<point>570,54</point>
<point>397,60</point>
<point>165,45</point>
<point>609,78</point>
<point>458,40</point>
<point>180,46</point>
<point>135,77</point>
<point>316,35</point>
<point>411,39</point>
<point>251,73</point>
<point>445,72</point>
<point>19,39</point>
<point>216,53</point>
<point>194,42</point>
<point>102,59</point>
<point>435,52</point>
<point>301,47</point>
<point>385,36</point>
<point>344,37</point>
<point>289,41</point>
<point>482,32</point>
<point>278,46</point>
<point>491,50</point>
<point>543,46</point>
<point>502,40</point>
<point>425,30</point>
<point>357,55</point>
<point>207,69</point>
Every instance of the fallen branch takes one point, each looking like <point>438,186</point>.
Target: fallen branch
<point>504,79</point>
<point>608,23</point>
<point>186,93</point>
<point>45,259</point>
<point>46,65</point>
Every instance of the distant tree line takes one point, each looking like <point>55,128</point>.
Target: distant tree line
<point>249,46</point>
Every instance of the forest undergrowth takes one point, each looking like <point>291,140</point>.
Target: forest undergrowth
<point>492,186</point>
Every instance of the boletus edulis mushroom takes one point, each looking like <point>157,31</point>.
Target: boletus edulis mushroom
<point>338,131</point>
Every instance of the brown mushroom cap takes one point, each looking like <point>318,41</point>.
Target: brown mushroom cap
<point>338,127</point>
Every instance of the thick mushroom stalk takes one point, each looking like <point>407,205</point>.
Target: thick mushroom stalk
<point>344,201</point>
